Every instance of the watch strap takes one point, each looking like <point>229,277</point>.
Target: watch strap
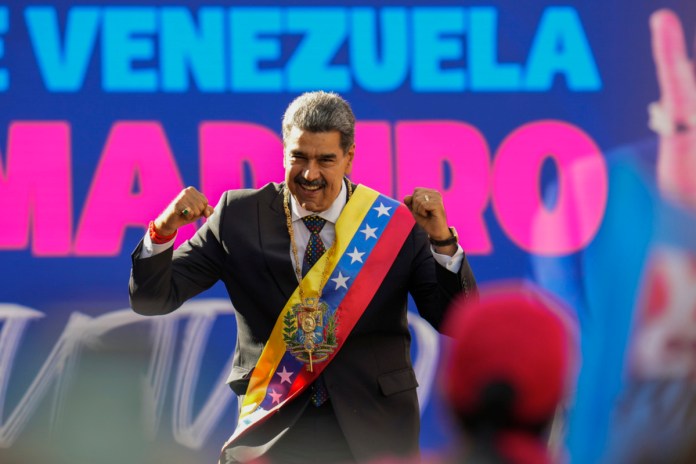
<point>446,242</point>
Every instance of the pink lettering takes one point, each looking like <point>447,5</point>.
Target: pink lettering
<point>236,155</point>
<point>137,177</point>
<point>373,165</point>
<point>37,182</point>
<point>425,149</point>
<point>135,180</point>
<point>582,188</point>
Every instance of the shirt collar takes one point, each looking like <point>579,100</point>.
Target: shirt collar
<point>331,214</point>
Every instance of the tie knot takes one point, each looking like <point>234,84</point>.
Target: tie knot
<point>314,223</point>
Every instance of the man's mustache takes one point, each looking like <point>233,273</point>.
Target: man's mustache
<point>299,180</point>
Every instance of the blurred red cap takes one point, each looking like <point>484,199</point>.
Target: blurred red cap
<point>516,334</point>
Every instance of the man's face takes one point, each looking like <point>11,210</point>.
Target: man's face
<point>315,166</point>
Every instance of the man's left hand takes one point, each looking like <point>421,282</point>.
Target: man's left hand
<point>674,116</point>
<point>428,210</point>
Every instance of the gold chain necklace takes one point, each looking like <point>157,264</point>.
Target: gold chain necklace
<point>329,254</point>
<point>307,313</point>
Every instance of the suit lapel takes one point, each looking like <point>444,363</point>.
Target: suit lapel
<point>275,243</point>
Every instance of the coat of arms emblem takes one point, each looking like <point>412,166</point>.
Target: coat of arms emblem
<point>310,331</point>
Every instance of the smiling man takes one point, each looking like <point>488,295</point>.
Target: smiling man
<point>319,271</point>
<point>315,164</point>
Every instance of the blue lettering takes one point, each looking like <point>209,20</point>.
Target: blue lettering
<point>186,48</point>
<point>4,25</point>
<point>560,47</point>
<point>310,66</point>
<point>372,72</point>
<point>431,48</point>
<point>62,69</point>
<point>277,49</point>
<point>249,49</point>
<point>123,44</point>
<point>485,73</point>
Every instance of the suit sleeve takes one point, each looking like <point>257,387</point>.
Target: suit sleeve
<point>432,286</point>
<point>163,282</point>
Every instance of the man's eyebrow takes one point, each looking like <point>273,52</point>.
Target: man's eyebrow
<point>322,155</point>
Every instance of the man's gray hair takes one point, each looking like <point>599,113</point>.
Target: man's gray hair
<point>321,112</point>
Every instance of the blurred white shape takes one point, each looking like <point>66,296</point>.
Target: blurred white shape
<point>425,364</point>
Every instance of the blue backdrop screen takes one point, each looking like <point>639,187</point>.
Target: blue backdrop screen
<point>109,109</point>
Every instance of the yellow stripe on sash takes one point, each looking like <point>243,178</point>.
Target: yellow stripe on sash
<point>346,227</point>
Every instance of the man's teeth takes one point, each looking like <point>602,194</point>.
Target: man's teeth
<point>310,187</point>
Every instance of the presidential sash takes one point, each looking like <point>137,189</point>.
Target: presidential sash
<point>369,234</point>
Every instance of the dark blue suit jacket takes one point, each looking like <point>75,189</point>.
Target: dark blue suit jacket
<point>371,380</point>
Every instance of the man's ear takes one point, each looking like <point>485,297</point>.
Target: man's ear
<point>350,155</point>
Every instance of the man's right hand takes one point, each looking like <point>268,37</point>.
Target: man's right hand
<point>189,206</point>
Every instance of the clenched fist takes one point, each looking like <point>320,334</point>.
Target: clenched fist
<point>189,206</point>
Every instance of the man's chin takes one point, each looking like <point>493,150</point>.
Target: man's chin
<point>311,201</point>
<point>311,205</point>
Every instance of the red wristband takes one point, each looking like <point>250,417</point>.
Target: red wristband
<point>155,237</point>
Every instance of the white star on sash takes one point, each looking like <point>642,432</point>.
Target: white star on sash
<point>369,231</point>
<point>285,376</point>
<point>382,210</point>
<point>355,255</point>
<point>341,281</point>
<point>276,397</point>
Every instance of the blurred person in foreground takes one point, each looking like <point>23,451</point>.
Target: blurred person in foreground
<point>655,420</point>
<point>633,285</point>
<point>319,271</point>
<point>511,364</point>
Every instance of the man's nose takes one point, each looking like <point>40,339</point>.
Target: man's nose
<point>311,172</point>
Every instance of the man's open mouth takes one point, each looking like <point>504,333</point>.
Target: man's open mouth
<point>311,188</point>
